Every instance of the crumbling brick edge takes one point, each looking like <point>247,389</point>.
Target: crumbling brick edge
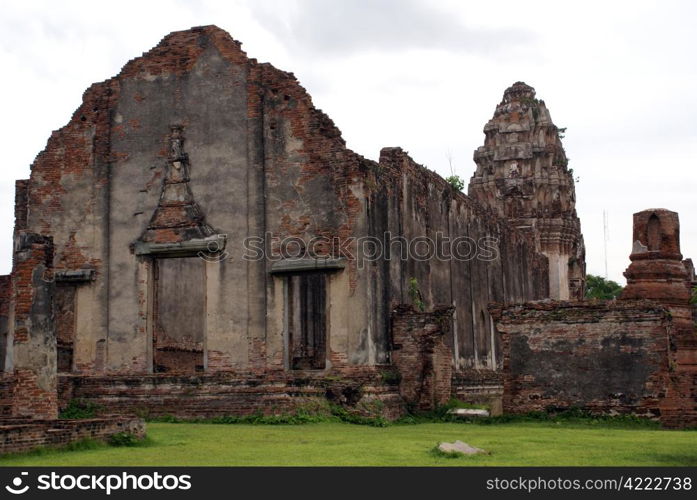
<point>19,435</point>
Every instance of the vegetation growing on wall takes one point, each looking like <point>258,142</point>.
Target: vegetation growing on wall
<point>455,182</point>
<point>415,295</point>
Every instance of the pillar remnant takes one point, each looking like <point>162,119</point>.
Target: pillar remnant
<point>423,360</point>
<point>658,273</point>
<point>32,338</point>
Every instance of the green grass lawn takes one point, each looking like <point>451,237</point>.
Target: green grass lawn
<point>534,443</point>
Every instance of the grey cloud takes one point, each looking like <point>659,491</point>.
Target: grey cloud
<point>342,27</point>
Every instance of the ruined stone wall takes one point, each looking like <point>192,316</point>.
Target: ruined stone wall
<point>657,272</point>
<point>261,160</point>
<point>637,354</point>
<point>31,337</point>
<point>7,383</point>
<point>5,299</point>
<point>194,140</point>
<point>362,391</point>
<point>692,286</point>
<point>480,387</point>
<point>606,357</point>
<point>66,198</point>
<point>418,205</point>
<point>197,82</point>
<point>19,435</point>
<point>422,359</point>
<point>313,202</point>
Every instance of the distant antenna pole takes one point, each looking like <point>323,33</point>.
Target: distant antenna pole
<point>606,237</point>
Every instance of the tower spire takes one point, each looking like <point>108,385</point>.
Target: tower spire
<point>523,175</point>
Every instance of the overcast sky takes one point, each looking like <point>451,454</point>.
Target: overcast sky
<point>423,75</point>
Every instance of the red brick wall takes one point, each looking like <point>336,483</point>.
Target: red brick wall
<point>421,357</point>
<point>657,272</point>
<point>600,356</point>
<point>7,384</point>
<point>21,187</point>
<point>19,435</point>
<point>479,387</point>
<point>5,298</point>
<point>34,341</point>
<point>679,407</point>
<point>210,395</point>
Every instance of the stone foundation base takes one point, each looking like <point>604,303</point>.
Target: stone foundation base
<point>24,434</point>
<point>222,394</point>
<point>479,387</point>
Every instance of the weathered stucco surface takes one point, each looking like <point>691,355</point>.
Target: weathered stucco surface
<point>255,159</point>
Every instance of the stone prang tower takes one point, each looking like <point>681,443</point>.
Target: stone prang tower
<point>522,174</point>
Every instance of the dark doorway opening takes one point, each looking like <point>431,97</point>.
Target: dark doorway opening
<point>179,315</point>
<point>65,318</point>
<point>307,321</point>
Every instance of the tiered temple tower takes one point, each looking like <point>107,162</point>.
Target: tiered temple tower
<point>523,175</point>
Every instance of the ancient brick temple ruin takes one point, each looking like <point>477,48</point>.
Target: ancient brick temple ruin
<point>637,354</point>
<point>523,175</point>
<point>199,241</point>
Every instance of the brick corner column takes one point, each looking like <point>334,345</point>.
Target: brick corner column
<point>423,360</point>
<point>33,357</point>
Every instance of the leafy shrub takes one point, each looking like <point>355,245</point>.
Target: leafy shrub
<point>455,182</point>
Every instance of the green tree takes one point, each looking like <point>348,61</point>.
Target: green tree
<point>598,287</point>
<point>456,182</point>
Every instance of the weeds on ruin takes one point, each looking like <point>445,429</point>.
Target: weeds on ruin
<point>343,415</point>
<point>579,417</point>
<point>335,413</point>
<point>415,295</point>
<point>391,377</point>
<point>455,182</point>
<point>571,416</point>
<point>79,409</point>
<point>82,445</point>
<point>440,414</point>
